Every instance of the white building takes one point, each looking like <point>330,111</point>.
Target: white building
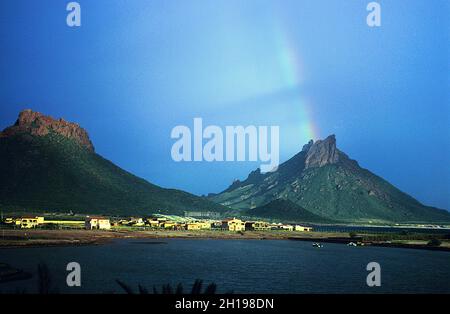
<point>97,223</point>
<point>302,228</point>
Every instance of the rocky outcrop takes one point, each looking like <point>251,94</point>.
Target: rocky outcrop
<point>37,124</point>
<point>306,147</point>
<point>321,153</point>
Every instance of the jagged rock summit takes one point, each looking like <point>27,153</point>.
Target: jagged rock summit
<point>37,124</point>
<point>321,153</point>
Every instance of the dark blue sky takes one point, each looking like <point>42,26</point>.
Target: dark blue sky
<point>135,69</point>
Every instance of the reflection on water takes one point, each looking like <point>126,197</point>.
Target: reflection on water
<point>242,266</point>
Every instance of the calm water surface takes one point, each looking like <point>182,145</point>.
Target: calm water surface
<point>243,266</point>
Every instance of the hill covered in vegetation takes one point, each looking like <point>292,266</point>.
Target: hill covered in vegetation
<point>51,165</point>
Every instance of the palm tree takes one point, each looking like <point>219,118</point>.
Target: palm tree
<point>197,288</point>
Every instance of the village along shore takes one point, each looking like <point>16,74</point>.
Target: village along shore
<point>40,231</point>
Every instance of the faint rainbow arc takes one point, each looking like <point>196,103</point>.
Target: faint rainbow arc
<point>293,75</point>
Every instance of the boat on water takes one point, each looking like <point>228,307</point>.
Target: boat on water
<point>355,244</point>
<point>8,274</point>
<point>318,245</point>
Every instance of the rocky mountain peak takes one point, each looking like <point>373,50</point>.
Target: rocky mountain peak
<point>306,147</point>
<point>37,124</point>
<point>321,152</point>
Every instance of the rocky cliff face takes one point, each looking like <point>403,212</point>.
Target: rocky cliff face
<point>37,124</point>
<point>321,153</point>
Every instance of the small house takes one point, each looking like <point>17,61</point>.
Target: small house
<point>28,222</point>
<point>302,228</point>
<point>257,225</point>
<point>233,224</point>
<point>280,226</point>
<point>96,222</point>
<point>199,225</point>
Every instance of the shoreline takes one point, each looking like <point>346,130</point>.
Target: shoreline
<point>397,245</point>
<point>13,239</point>
<point>47,238</point>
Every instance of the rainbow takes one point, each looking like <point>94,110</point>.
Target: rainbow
<point>291,69</point>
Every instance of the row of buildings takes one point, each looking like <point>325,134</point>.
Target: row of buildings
<point>165,223</point>
<point>232,224</point>
<point>235,224</point>
<point>103,223</point>
<point>29,222</point>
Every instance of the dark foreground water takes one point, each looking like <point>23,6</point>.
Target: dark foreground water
<point>244,266</point>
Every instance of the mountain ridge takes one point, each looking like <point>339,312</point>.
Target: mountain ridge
<point>326,182</point>
<point>51,165</point>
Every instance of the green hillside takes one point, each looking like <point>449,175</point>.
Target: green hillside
<point>285,210</point>
<point>54,173</point>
